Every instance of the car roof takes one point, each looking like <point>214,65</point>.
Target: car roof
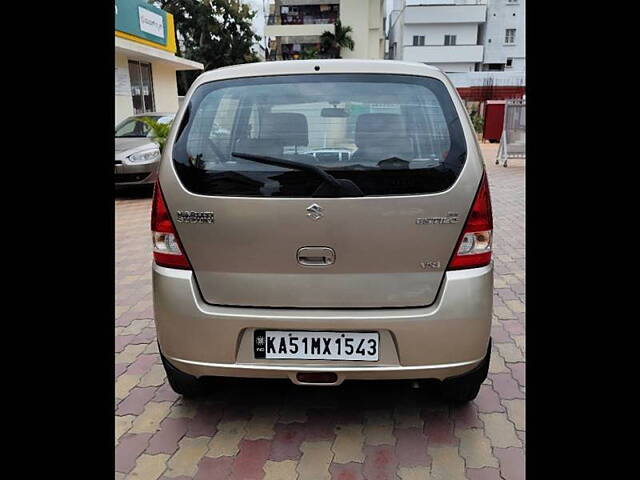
<point>154,114</point>
<point>293,67</point>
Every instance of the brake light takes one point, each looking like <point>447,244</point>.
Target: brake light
<point>167,249</point>
<point>474,245</point>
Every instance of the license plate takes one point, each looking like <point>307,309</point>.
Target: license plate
<point>278,344</point>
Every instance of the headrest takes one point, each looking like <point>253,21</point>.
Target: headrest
<point>287,128</point>
<point>377,129</point>
<point>259,146</point>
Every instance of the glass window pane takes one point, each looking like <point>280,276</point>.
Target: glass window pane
<point>136,87</point>
<point>147,87</point>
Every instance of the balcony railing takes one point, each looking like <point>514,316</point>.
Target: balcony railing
<point>300,20</point>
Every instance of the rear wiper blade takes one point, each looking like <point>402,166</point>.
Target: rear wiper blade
<point>341,186</point>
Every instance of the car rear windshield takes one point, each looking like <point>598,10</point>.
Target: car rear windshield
<point>388,134</point>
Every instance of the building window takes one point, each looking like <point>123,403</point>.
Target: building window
<point>510,35</point>
<point>141,87</point>
<point>509,62</point>
<point>449,39</point>
<point>418,40</point>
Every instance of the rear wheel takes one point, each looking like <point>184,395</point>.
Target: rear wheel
<point>182,383</point>
<point>466,387</point>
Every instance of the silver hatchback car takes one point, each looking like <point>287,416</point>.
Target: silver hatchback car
<point>273,262</point>
<point>137,155</point>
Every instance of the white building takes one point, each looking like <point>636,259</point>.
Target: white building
<point>442,33</point>
<point>503,36</point>
<point>294,26</point>
<point>145,60</point>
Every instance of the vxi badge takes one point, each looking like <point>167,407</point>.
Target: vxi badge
<point>452,217</point>
<point>190,216</point>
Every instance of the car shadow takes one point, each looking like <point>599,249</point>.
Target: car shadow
<point>133,192</point>
<point>323,409</point>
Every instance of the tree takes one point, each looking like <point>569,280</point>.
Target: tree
<point>215,33</point>
<point>331,43</point>
<point>159,131</point>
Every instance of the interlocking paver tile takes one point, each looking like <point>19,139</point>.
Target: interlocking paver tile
<point>142,364</point>
<point>166,439</point>
<point>124,384</point>
<point>135,401</point>
<point>483,474</point>
<point>515,412</point>
<point>148,467</point>
<point>407,416</point>
<point>347,471</point>
<point>466,416</point>
<point>500,430</point>
<point>214,468</point>
<point>291,413</point>
<point>184,408</point>
<point>129,353</point>
<point>439,427</point>
<point>123,424</point>
<point>488,400</point>
<point>262,423</point>
<point>414,473</point>
<point>379,434</point>
<point>225,442</point>
<point>315,461</point>
<point>149,420</point>
<point>205,421</point>
<point>286,442</point>
<point>446,463</point>
<point>284,470</point>
<point>518,372</point>
<point>185,460</point>
<point>510,352</point>
<point>411,447</point>
<point>249,463</point>
<point>385,435</point>
<point>154,377</point>
<point>129,448</point>
<point>475,448</point>
<point>380,462</point>
<point>506,386</point>
<point>347,447</point>
<point>511,463</point>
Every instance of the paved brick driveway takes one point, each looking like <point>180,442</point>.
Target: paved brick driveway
<point>280,431</point>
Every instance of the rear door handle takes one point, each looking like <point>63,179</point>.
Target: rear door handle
<point>316,256</point>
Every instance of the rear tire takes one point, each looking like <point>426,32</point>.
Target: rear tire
<point>182,383</point>
<point>465,388</point>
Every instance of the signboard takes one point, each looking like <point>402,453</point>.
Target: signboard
<point>140,19</point>
<point>151,22</point>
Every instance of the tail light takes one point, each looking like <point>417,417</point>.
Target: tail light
<point>167,249</point>
<point>474,245</point>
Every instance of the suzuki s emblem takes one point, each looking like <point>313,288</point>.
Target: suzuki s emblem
<point>314,212</point>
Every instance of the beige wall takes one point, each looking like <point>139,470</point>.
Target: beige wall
<point>124,104</point>
<point>365,18</point>
<point>165,89</point>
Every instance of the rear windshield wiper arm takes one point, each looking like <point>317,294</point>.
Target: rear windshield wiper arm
<point>342,186</point>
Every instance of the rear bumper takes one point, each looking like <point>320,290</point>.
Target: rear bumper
<point>446,339</point>
<point>135,174</point>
